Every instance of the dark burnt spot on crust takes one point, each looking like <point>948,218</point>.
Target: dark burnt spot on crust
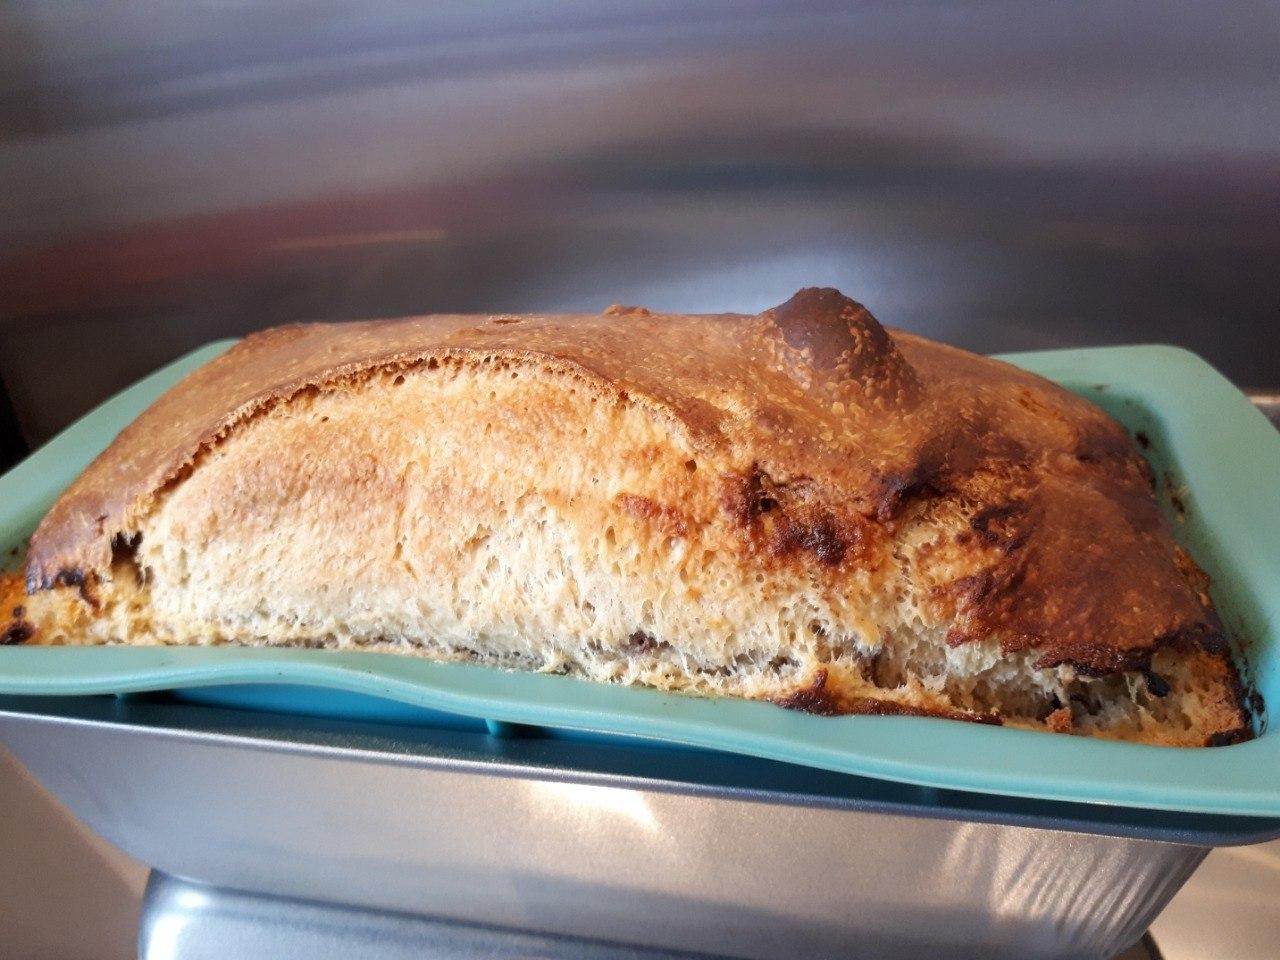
<point>842,339</point>
<point>745,497</point>
<point>925,477</point>
<point>1004,600</point>
<point>783,519</point>
<point>887,708</point>
<point>944,464</point>
<point>821,539</point>
<point>819,320</point>
<point>66,578</point>
<point>1054,587</point>
<point>741,497</point>
<point>986,522</point>
<point>898,488</point>
<point>1191,637</point>
<point>19,612</point>
<point>981,598</point>
<point>815,698</point>
<point>981,602</point>
<point>1098,660</point>
<point>1103,441</point>
<point>976,588</point>
<point>1002,525</point>
<point>63,578</point>
<point>19,631</point>
<point>1157,685</point>
<point>1225,738</point>
<point>819,699</point>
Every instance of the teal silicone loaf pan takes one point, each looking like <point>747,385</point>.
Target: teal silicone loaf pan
<point>1213,453</point>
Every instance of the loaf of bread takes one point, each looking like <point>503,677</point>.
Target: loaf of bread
<point>799,506</point>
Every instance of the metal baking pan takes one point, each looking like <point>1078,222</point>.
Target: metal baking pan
<point>183,920</point>
<point>1216,458</point>
<point>623,842</point>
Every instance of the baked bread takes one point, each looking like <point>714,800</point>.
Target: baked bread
<point>799,506</point>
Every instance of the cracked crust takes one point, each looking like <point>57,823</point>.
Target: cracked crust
<point>807,443</point>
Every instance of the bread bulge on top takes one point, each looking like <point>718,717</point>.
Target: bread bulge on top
<point>801,506</point>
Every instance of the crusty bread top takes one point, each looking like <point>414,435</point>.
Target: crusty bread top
<point>859,424</point>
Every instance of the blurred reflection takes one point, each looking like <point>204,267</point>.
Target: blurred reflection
<point>584,804</point>
<point>1000,175</point>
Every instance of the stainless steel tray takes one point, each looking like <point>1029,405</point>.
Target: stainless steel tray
<point>615,842</point>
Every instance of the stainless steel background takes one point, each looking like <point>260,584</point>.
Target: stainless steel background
<point>1003,175</point>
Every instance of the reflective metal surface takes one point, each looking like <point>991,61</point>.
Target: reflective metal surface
<point>999,174</point>
<point>186,921</point>
<point>601,842</point>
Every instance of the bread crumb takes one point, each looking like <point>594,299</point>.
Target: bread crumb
<point>1060,721</point>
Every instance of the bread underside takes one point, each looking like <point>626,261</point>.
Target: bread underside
<point>509,511</point>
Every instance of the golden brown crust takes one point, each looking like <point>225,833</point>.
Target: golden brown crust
<point>840,431</point>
